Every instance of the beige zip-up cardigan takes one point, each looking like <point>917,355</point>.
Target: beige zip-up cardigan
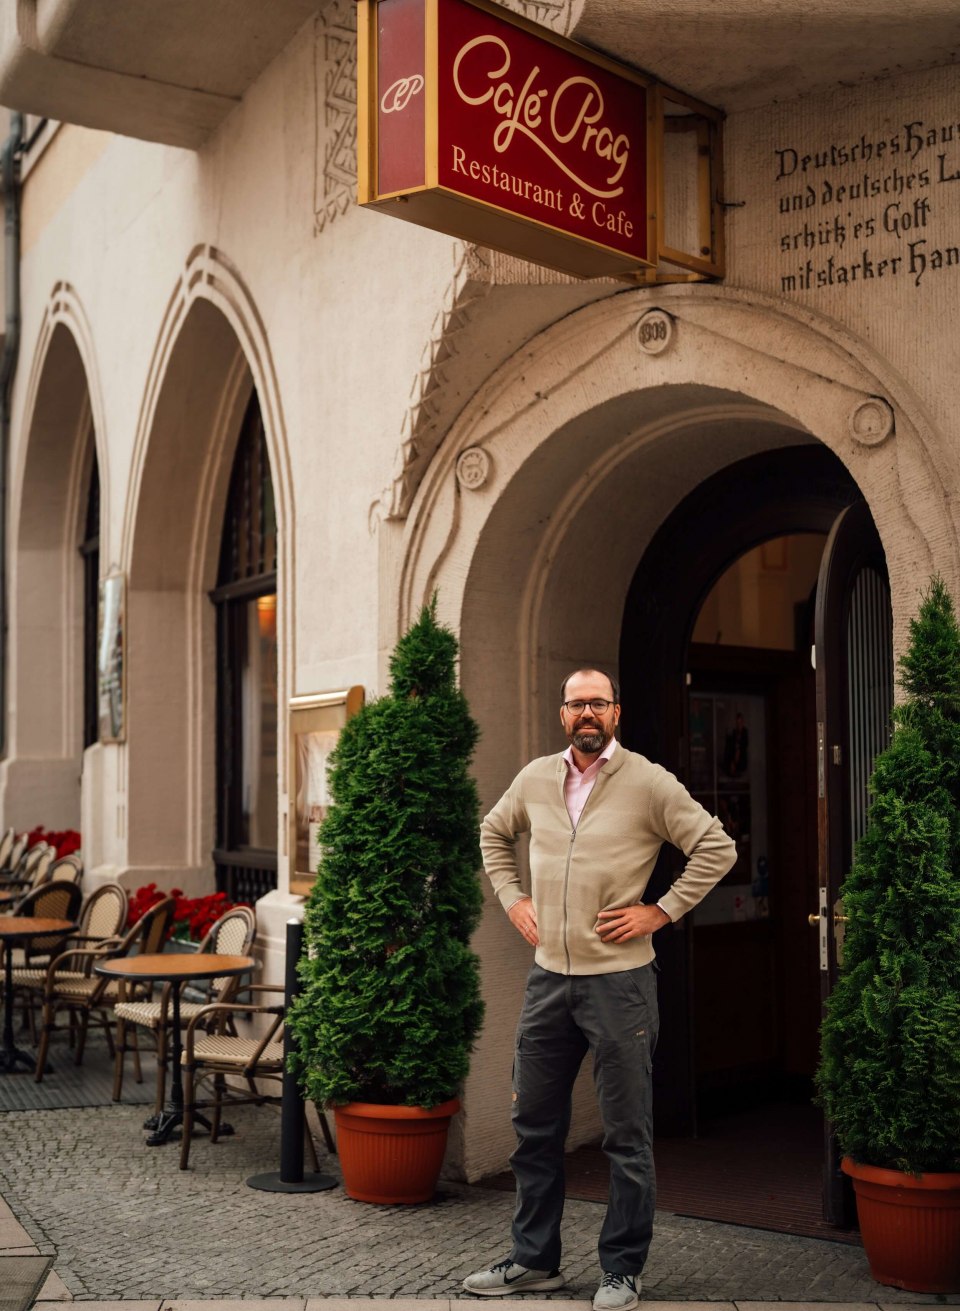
<point>635,806</point>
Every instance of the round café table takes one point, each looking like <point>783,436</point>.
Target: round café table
<point>20,929</point>
<point>174,968</point>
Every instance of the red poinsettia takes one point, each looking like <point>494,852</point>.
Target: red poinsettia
<point>193,917</point>
<point>64,842</point>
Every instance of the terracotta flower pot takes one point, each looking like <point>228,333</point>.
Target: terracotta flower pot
<point>392,1154</point>
<point>910,1226</point>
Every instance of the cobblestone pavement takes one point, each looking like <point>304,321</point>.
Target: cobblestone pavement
<point>126,1223</point>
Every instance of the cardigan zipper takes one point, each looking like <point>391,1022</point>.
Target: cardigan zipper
<point>566,872</point>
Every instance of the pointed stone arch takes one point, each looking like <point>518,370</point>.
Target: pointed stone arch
<point>212,352</point>
<point>61,426</point>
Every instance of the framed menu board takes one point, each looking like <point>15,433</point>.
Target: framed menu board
<point>315,724</point>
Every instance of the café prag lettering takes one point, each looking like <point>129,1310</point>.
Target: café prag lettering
<point>878,222</point>
<point>569,114</point>
<point>400,93</point>
<point>484,125</point>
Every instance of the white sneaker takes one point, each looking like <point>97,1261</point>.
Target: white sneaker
<point>506,1278</point>
<point>617,1292</point>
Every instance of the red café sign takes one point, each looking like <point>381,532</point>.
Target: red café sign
<point>477,123</point>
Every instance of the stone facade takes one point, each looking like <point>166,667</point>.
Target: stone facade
<point>437,416</point>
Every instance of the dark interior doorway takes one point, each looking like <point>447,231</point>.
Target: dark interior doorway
<point>719,687</point>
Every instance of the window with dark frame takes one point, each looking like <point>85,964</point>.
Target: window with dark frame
<point>245,598</point>
<point>90,556</point>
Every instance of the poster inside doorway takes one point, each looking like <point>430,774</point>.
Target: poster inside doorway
<point>728,776</point>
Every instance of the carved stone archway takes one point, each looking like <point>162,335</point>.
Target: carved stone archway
<point>535,511</point>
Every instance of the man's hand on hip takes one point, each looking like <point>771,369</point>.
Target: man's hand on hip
<point>626,922</point>
<point>523,916</point>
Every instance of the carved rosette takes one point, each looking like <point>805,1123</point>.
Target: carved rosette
<point>871,422</point>
<point>473,468</point>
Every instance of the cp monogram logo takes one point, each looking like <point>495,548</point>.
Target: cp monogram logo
<point>399,95</point>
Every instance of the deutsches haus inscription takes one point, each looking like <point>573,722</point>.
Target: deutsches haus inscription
<point>872,209</point>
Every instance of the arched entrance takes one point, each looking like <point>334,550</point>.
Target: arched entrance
<point>580,449</point>
<point>719,625</point>
<point>677,689</point>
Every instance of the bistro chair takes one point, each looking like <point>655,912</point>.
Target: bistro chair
<point>213,1053</point>
<point>73,987</point>
<point>6,848</point>
<point>33,868</point>
<point>233,935</point>
<point>102,917</point>
<point>14,856</point>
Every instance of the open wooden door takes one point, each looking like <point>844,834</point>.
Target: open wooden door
<point>854,664</point>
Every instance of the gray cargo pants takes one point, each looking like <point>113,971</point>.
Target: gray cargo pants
<point>564,1015</point>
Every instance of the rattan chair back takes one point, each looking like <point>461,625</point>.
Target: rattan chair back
<point>26,866</point>
<point>16,854</point>
<point>6,847</point>
<point>67,867</point>
<point>43,869</point>
<point>59,901</point>
<point>154,927</point>
<point>150,931</point>
<point>103,913</point>
<point>233,935</point>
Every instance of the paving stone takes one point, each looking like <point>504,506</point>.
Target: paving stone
<point>250,1304</point>
<point>12,1233</point>
<point>147,1304</point>
<point>126,1223</point>
<point>54,1289</point>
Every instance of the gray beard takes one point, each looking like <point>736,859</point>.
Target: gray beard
<point>589,741</point>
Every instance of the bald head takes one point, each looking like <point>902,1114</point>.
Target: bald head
<point>613,694</point>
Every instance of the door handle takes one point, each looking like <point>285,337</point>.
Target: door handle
<point>821,921</point>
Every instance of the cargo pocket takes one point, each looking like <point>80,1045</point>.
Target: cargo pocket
<point>515,1077</point>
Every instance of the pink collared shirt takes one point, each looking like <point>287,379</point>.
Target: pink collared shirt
<point>578,785</point>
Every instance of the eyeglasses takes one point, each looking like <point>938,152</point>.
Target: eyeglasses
<point>598,706</point>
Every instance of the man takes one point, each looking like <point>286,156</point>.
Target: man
<point>597,815</point>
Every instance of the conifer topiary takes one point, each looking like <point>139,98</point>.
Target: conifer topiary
<point>889,1076</point>
<point>390,1004</point>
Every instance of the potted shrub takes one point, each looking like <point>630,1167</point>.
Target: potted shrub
<point>390,1004</point>
<point>889,1076</point>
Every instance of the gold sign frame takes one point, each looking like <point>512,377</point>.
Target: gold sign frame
<point>709,259</point>
<point>432,206</point>
<point>315,723</point>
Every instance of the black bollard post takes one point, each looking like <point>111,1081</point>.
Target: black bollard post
<point>291,1178</point>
